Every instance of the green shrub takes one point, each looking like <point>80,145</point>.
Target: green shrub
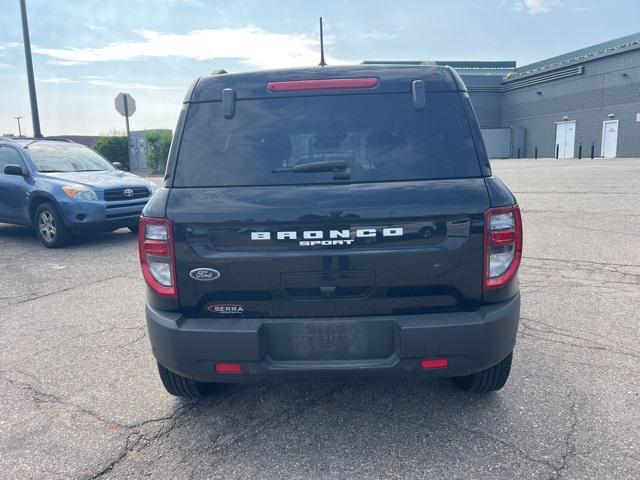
<point>114,149</point>
<point>157,144</point>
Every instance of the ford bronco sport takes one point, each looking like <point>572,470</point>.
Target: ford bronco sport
<point>330,223</point>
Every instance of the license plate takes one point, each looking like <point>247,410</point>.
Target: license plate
<point>330,340</point>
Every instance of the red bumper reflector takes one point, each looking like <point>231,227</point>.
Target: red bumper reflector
<point>228,368</point>
<point>327,84</point>
<point>434,363</point>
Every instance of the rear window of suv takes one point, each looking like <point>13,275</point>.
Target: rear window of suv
<point>381,137</point>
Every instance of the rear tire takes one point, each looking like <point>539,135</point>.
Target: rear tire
<point>50,229</point>
<point>180,386</point>
<point>489,380</point>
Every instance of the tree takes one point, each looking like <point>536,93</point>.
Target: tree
<point>114,149</point>
<point>157,144</point>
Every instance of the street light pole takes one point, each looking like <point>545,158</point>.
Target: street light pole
<point>19,129</point>
<point>35,117</point>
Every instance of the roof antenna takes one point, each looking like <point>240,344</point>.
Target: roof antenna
<point>322,62</point>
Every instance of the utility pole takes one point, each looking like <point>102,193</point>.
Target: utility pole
<point>322,62</point>
<point>35,117</point>
<point>19,129</point>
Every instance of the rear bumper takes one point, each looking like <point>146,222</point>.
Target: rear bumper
<point>273,350</point>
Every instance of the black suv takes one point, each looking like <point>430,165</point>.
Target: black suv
<point>331,223</point>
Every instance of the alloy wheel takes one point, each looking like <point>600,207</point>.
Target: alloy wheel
<point>47,226</point>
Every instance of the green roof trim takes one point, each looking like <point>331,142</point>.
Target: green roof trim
<point>583,53</point>
<point>508,68</point>
<point>498,72</point>
<point>464,67</point>
<point>508,64</point>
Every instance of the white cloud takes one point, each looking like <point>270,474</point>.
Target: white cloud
<point>96,77</point>
<point>94,28</point>
<point>192,3</point>
<point>378,35</point>
<point>56,80</point>
<point>250,45</point>
<point>44,79</point>
<point>133,86</point>
<point>586,8</point>
<point>64,63</point>
<point>534,7</point>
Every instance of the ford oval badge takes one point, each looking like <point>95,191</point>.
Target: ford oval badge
<point>204,274</point>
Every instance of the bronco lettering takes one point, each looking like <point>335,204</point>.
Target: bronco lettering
<point>337,237</point>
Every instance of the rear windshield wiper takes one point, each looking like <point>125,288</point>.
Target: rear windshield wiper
<point>312,167</point>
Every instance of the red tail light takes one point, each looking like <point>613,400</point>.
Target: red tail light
<point>502,245</point>
<point>326,84</point>
<point>155,245</point>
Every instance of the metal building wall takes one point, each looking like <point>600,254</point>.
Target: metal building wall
<point>607,85</point>
<point>485,92</point>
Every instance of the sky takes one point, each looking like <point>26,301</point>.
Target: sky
<point>85,51</point>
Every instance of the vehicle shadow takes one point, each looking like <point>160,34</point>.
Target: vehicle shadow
<point>336,428</point>
<point>25,236</point>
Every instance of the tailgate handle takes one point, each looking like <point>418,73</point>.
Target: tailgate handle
<point>330,279</point>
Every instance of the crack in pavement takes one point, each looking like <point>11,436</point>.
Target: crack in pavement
<point>569,444</point>
<point>560,332</point>
<point>226,443</point>
<point>570,192</point>
<point>41,396</point>
<point>591,229</point>
<point>582,363</point>
<point>136,438</point>
<point>525,334</point>
<point>66,289</point>
<point>575,262</point>
<point>557,468</point>
<point>147,440</point>
<point>586,284</point>
<point>569,213</point>
<point>512,447</point>
<point>67,341</point>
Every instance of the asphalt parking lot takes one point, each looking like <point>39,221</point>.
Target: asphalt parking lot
<point>80,396</point>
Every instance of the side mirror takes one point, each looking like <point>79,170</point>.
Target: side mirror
<point>117,165</point>
<point>14,170</point>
